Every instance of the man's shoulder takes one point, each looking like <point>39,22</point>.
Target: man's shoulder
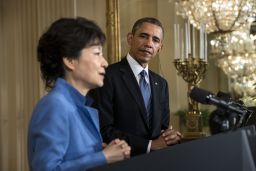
<point>114,65</point>
<point>117,65</point>
<point>157,76</point>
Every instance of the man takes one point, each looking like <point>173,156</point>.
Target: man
<point>135,106</point>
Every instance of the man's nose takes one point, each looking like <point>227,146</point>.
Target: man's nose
<point>149,42</point>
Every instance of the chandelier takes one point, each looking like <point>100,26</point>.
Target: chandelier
<point>217,15</point>
<point>244,89</point>
<point>232,46</point>
<point>237,66</point>
<point>235,53</point>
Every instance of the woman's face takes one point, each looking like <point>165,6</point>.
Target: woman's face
<point>89,68</point>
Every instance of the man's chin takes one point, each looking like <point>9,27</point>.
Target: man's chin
<point>146,59</point>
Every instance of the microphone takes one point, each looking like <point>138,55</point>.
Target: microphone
<point>229,114</point>
<point>206,97</point>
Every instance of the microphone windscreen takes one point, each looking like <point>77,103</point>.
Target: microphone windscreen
<point>200,95</point>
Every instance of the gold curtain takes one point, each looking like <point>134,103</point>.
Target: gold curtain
<point>21,23</point>
<point>113,31</point>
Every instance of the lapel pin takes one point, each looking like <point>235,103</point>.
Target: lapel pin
<point>156,83</point>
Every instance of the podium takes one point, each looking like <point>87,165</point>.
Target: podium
<point>232,151</point>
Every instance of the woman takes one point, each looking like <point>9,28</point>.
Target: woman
<point>64,130</point>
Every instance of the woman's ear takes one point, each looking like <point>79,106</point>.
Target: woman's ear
<point>69,63</point>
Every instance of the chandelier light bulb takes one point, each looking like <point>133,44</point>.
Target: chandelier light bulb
<point>218,15</point>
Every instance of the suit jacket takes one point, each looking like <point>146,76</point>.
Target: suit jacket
<point>64,133</point>
<point>122,110</point>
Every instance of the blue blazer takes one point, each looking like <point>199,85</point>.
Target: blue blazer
<point>64,132</point>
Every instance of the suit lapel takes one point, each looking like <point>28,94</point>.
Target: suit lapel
<point>155,91</point>
<point>133,87</point>
<point>91,115</point>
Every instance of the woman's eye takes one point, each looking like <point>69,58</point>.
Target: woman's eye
<point>98,53</point>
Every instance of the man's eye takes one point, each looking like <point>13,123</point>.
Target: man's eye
<point>143,36</point>
<point>156,40</point>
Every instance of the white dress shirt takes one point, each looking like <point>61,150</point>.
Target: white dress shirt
<point>136,69</point>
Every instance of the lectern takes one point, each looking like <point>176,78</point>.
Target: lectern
<point>232,151</point>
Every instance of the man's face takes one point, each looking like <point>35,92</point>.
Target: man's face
<point>145,43</point>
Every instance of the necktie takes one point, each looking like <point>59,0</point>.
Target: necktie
<point>145,91</point>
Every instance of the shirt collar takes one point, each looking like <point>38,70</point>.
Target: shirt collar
<point>74,93</point>
<point>135,66</point>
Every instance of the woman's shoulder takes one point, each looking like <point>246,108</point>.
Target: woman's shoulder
<point>55,103</point>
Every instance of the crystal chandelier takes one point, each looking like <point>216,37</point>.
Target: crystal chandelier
<point>235,53</point>
<point>237,66</point>
<point>244,89</point>
<point>217,15</point>
<point>232,46</point>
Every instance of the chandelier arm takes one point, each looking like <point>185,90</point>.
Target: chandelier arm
<point>239,13</point>
<point>216,21</point>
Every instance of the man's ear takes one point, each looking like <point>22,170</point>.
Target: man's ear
<point>69,63</point>
<point>129,38</point>
<point>160,48</point>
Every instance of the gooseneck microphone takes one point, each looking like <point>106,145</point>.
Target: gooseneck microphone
<point>234,115</point>
<point>206,97</point>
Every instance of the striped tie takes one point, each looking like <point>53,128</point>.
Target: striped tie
<point>146,93</point>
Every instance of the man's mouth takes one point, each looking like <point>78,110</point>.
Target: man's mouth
<point>146,52</point>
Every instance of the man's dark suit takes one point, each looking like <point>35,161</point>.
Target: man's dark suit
<point>122,110</point>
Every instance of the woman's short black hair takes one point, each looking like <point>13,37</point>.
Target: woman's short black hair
<point>66,37</point>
